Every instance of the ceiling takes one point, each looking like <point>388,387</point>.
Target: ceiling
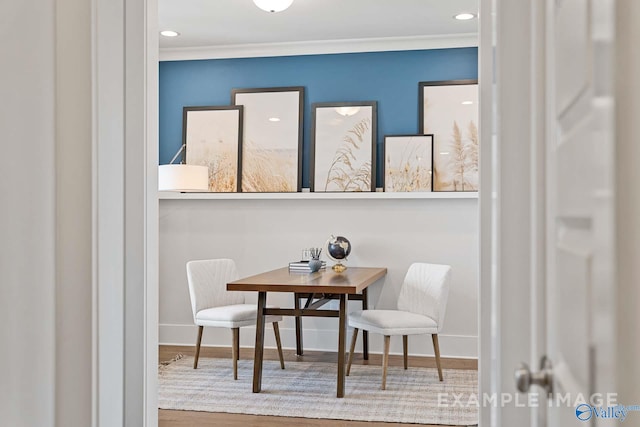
<point>212,23</point>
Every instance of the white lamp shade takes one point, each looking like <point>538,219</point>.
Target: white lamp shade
<point>273,5</point>
<point>183,178</point>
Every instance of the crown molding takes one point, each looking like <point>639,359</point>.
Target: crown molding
<point>319,47</point>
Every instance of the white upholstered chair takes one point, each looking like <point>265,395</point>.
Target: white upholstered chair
<point>421,307</point>
<point>214,306</point>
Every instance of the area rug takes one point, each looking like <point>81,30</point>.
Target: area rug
<point>307,390</point>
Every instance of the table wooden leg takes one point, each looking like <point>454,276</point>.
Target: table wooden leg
<point>365,334</point>
<point>342,335</point>
<point>259,350</point>
<point>296,304</point>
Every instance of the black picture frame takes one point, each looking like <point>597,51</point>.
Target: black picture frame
<point>333,129</point>
<point>405,162</point>
<point>272,138</point>
<point>452,117</point>
<point>212,136</point>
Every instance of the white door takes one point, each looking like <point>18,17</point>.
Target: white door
<point>547,207</point>
<point>580,320</point>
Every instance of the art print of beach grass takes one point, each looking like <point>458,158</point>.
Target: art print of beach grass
<point>449,111</point>
<point>408,163</point>
<point>212,136</point>
<point>272,138</point>
<point>343,152</point>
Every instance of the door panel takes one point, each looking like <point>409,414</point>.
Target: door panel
<point>573,50</point>
<point>576,173</point>
<point>580,205</point>
<point>572,305</point>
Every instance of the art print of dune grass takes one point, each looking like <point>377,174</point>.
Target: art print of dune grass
<point>222,161</point>
<point>473,148</point>
<point>342,175</point>
<point>223,173</point>
<point>457,169</point>
<point>407,165</point>
<point>463,163</point>
<point>269,170</point>
<point>453,121</point>
<point>457,161</point>
<point>212,141</point>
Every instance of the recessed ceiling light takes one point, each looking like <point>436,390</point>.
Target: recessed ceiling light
<point>274,119</point>
<point>444,153</point>
<point>464,16</point>
<point>467,102</point>
<point>169,33</point>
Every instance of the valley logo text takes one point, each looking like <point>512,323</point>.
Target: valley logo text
<point>585,412</point>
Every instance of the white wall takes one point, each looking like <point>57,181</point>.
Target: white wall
<point>45,220</point>
<point>266,234</point>
<point>73,213</point>
<point>27,215</point>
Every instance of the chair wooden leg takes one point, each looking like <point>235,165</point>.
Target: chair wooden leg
<point>405,348</point>
<point>195,361</point>
<point>385,361</point>
<point>235,346</point>
<point>276,332</point>
<point>352,349</point>
<point>436,348</point>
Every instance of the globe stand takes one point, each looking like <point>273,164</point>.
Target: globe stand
<point>339,268</point>
<point>338,249</point>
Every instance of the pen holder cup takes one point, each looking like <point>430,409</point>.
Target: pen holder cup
<point>315,264</point>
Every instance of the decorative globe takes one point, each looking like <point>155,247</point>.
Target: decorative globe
<point>338,249</point>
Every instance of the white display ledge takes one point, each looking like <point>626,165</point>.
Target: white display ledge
<point>168,195</point>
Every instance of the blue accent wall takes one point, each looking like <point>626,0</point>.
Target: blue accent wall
<point>390,78</point>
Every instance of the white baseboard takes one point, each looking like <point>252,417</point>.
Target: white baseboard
<point>457,346</point>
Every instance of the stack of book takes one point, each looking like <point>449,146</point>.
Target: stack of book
<point>303,266</point>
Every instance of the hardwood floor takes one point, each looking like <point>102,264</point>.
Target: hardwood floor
<point>167,352</point>
<point>208,419</point>
<point>168,418</point>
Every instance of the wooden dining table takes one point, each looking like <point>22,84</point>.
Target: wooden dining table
<point>320,288</point>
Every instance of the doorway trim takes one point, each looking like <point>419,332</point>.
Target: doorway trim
<point>125,212</point>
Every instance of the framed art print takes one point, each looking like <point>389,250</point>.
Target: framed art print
<point>449,111</point>
<point>272,138</point>
<point>343,146</point>
<point>212,136</point>
<point>408,163</point>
